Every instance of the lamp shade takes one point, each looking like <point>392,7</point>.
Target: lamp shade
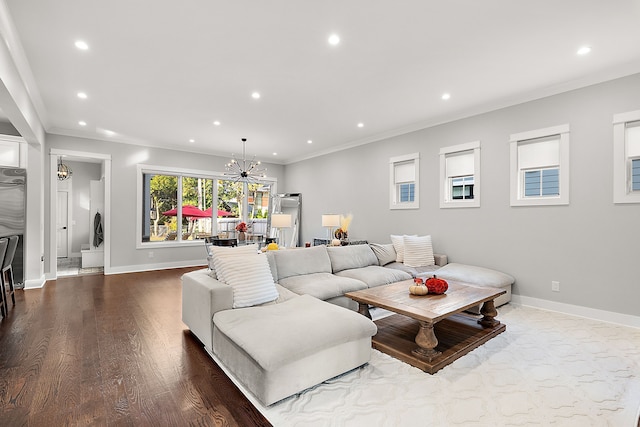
<point>331,220</point>
<point>281,220</point>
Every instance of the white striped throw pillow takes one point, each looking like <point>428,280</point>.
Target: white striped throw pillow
<point>418,251</point>
<point>249,276</point>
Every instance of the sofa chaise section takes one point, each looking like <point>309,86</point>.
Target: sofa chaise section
<point>481,277</point>
<point>278,348</point>
<point>282,349</point>
<point>203,296</point>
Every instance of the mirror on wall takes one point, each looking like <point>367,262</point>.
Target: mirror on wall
<point>284,221</point>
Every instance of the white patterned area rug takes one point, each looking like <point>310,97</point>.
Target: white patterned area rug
<point>546,369</point>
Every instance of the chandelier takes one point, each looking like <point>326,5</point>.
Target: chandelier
<point>243,170</point>
<point>64,171</point>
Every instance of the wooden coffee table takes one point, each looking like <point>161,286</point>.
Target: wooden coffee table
<point>434,322</point>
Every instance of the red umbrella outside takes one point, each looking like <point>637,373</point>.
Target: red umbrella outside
<point>188,211</point>
<point>220,213</point>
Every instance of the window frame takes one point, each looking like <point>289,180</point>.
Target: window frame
<point>446,193</point>
<point>394,195</point>
<point>622,192</point>
<point>180,172</point>
<point>517,197</point>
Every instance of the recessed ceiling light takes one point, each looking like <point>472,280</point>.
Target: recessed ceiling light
<point>82,123</point>
<point>217,123</point>
<point>192,140</point>
<point>584,50</point>
<point>275,154</point>
<point>255,95</point>
<point>309,141</point>
<point>334,39</point>
<point>82,95</point>
<point>360,125</point>
<point>446,96</point>
<point>81,45</point>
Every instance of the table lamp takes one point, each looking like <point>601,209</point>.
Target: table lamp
<point>278,221</point>
<point>330,221</point>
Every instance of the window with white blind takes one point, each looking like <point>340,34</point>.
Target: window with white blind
<point>404,179</point>
<point>626,157</point>
<point>540,167</point>
<point>460,176</point>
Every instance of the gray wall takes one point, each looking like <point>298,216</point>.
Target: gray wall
<point>83,172</point>
<point>124,161</point>
<point>589,246</point>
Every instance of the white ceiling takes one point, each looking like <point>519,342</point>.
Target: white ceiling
<point>159,72</point>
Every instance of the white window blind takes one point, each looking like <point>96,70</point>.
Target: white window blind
<point>405,172</point>
<point>460,164</point>
<point>633,139</point>
<point>539,153</point>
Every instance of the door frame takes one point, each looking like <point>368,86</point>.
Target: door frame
<point>105,160</point>
<point>69,219</point>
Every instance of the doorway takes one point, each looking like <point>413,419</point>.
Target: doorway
<point>62,224</point>
<point>73,206</point>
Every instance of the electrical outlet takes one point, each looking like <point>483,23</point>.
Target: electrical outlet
<point>150,254</point>
<point>555,286</point>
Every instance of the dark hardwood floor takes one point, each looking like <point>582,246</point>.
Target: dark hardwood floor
<point>111,351</point>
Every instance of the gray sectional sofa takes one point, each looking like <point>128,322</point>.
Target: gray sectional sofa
<point>304,337</point>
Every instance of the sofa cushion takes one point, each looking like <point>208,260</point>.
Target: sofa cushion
<point>418,251</point>
<point>279,334</point>
<point>297,262</point>
<point>321,285</point>
<point>414,271</point>
<point>351,256</point>
<point>225,251</point>
<point>250,278</point>
<point>374,275</point>
<point>478,276</point>
<point>385,253</point>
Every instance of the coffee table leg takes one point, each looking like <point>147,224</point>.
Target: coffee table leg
<point>489,313</point>
<point>364,309</point>
<point>427,342</point>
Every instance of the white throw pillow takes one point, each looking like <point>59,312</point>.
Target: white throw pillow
<point>226,251</point>
<point>398,245</point>
<point>418,251</point>
<point>250,277</point>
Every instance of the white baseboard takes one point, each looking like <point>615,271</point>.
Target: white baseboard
<point>35,283</point>
<point>577,310</point>
<point>150,267</point>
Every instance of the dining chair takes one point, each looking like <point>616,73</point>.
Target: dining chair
<point>4,242</point>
